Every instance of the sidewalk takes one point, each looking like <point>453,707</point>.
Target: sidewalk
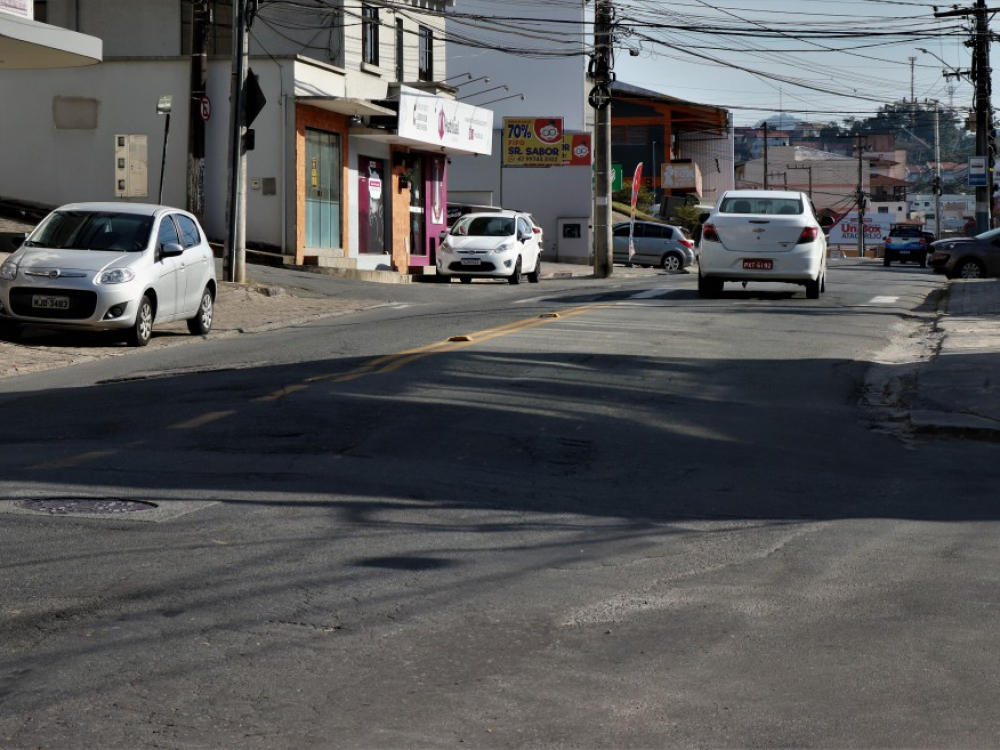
<point>958,390</point>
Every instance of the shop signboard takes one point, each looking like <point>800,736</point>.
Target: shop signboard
<point>876,226</point>
<point>438,122</point>
<point>532,141</point>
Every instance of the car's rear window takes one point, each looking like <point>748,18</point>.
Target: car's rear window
<point>484,226</point>
<point>768,206</point>
<point>93,230</point>
<point>906,231</point>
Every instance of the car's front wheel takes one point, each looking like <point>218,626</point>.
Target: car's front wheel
<point>969,269</point>
<point>886,262</point>
<point>9,330</point>
<point>515,276</point>
<point>201,323</point>
<point>671,262</point>
<point>142,330</point>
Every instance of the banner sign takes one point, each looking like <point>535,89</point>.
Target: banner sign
<point>576,150</point>
<point>876,226</point>
<point>635,197</point>
<point>532,141</point>
<point>435,121</point>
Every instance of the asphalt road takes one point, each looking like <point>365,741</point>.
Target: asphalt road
<point>579,514</point>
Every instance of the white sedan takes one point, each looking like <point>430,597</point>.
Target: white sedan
<point>763,235</point>
<point>501,244</point>
<point>111,266</point>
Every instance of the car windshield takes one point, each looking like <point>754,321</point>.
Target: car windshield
<point>92,230</point>
<point>745,205</point>
<point>484,226</point>
<point>992,234</point>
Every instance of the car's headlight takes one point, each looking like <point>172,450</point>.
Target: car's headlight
<point>117,276</point>
<point>8,270</point>
<point>504,247</point>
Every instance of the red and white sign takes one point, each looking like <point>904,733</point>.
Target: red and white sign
<point>206,108</point>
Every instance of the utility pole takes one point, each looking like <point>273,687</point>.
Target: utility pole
<point>601,74</point>
<point>859,194</point>
<point>234,263</point>
<point>765,155</point>
<point>983,109</point>
<point>200,22</point>
<point>783,175</point>
<point>937,169</point>
<point>809,167</point>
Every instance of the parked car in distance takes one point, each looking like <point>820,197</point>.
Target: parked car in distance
<point>763,235</point>
<point>967,257</point>
<point>118,266</point>
<point>660,245</point>
<point>496,244</point>
<point>906,243</point>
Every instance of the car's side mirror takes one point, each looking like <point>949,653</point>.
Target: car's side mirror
<point>525,236</point>
<point>171,250</point>
<point>444,233</point>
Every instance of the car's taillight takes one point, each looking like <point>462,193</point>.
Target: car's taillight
<point>689,244</point>
<point>708,233</point>
<point>536,230</point>
<point>809,234</point>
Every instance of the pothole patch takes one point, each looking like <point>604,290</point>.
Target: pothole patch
<point>67,506</point>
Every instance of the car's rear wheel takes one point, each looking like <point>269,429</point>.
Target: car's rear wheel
<point>812,289</point>
<point>201,323</point>
<point>142,330</point>
<point>923,261</point>
<point>886,262</point>
<point>515,276</point>
<point>969,269</point>
<point>709,287</point>
<point>671,262</point>
<point>534,276</point>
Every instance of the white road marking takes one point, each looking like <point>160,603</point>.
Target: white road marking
<point>651,293</point>
<point>875,301</point>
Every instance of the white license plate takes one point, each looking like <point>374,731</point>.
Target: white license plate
<point>471,261</point>
<point>49,302</point>
<point>758,264</point>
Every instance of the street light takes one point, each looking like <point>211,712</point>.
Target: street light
<point>163,107</point>
<point>954,71</point>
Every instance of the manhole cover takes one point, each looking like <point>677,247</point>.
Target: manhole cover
<point>64,506</point>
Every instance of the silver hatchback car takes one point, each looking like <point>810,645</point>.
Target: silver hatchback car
<point>111,266</point>
<point>656,244</point>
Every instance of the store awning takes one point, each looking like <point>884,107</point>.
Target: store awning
<point>27,45</point>
<point>345,106</point>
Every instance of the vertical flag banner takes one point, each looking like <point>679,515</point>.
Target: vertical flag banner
<point>635,196</point>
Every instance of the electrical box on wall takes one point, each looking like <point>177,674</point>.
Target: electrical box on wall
<point>131,166</point>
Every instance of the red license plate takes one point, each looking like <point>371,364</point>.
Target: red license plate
<point>758,264</point>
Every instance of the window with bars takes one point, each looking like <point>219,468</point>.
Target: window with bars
<point>425,66</point>
<point>369,34</point>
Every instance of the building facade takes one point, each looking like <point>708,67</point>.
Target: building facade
<point>350,148</point>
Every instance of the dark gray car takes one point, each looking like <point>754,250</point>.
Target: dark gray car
<point>656,244</point>
<point>967,257</point>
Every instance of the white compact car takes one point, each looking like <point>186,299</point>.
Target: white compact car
<point>111,266</point>
<point>763,235</point>
<point>501,244</point>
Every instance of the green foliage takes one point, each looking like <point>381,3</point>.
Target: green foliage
<point>643,200</point>
<point>686,217</point>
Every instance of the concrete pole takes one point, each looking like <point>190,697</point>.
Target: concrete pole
<point>196,123</point>
<point>600,99</point>
<point>235,259</point>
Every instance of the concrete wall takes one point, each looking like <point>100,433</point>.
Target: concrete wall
<point>53,165</point>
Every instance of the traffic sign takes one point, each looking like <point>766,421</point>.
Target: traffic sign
<point>977,171</point>
<point>600,96</point>
<point>205,105</point>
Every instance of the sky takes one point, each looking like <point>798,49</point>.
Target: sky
<point>819,60</point>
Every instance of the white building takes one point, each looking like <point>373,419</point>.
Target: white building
<point>533,68</point>
<point>349,166</point>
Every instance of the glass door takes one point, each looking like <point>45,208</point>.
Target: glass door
<point>322,181</point>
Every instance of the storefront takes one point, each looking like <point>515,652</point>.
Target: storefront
<point>403,195</point>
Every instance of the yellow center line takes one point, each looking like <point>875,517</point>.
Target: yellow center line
<point>281,392</point>
<point>212,416</point>
<point>67,463</point>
